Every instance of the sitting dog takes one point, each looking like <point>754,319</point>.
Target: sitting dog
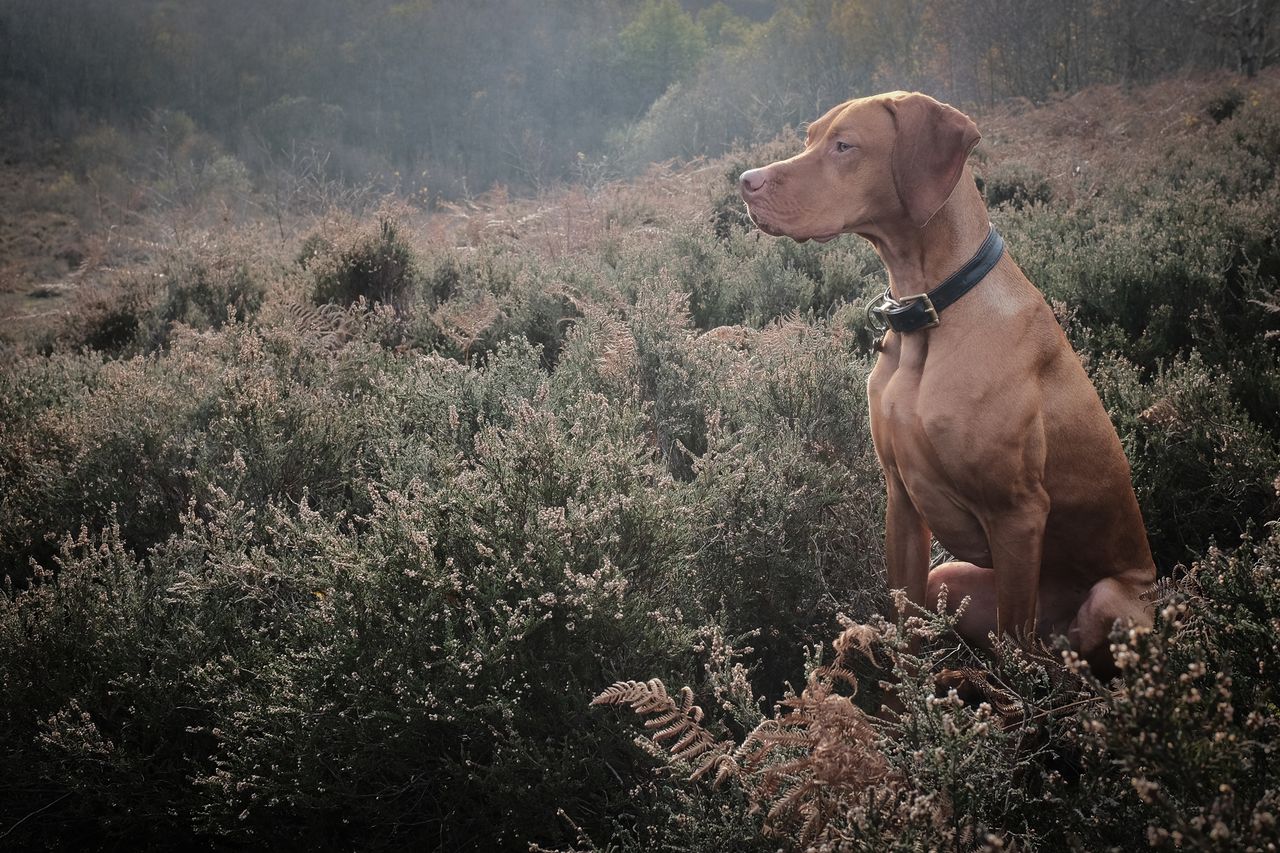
<point>991,436</point>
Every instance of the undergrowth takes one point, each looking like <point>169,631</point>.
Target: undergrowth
<point>332,543</point>
<point>1176,753</point>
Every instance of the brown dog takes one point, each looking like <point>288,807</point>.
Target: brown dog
<point>991,436</point>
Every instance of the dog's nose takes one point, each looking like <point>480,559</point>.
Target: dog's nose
<point>751,180</point>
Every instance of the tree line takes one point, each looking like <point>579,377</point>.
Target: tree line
<point>458,97</point>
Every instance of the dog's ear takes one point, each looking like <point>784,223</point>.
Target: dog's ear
<point>933,140</point>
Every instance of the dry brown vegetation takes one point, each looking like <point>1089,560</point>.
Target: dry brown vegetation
<point>60,234</point>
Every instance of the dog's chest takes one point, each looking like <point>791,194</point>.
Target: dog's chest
<point>901,421</point>
<point>898,428</point>
<point>893,394</point>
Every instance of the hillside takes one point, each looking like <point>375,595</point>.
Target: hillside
<point>327,512</point>
<point>59,231</point>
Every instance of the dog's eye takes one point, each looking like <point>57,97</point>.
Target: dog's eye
<point>843,147</point>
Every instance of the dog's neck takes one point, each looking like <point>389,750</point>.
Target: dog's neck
<point>919,259</point>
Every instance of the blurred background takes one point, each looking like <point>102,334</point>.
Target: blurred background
<point>452,97</point>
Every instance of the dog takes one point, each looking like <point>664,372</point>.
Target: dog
<point>990,434</point>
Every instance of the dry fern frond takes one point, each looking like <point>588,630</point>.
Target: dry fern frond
<point>1160,413</point>
<point>724,764</point>
<point>627,692</point>
<point>735,337</point>
<point>617,359</point>
<point>992,686</point>
<point>967,679</point>
<point>804,767</point>
<point>780,337</point>
<point>317,326</point>
<point>464,321</point>
<point>830,756</point>
<point>839,673</point>
<point>856,638</point>
<point>680,722</point>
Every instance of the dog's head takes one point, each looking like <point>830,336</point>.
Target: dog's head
<point>891,160</point>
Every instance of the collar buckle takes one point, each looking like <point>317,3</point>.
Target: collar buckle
<point>927,304</point>
<point>921,310</point>
<point>888,313</point>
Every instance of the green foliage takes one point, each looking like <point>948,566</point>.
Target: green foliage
<point>377,267</point>
<point>286,623</point>
<point>1194,722</point>
<point>189,286</point>
<point>1014,185</point>
<point>109,318</point>
<point>202,291</point>
<point>1165,282</point>
<point>661,46</point>
<point>1177,753</point>
<point>1202,468</point>
<point>330,544</point>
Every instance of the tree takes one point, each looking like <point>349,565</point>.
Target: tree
<point>661,46</point>
<point>1246,28</point>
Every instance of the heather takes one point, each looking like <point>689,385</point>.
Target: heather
<point>324,530</point>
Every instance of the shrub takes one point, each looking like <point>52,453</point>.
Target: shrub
<point>114,441</point>
<point>109,316</point>
<point>788,490</point>
<point>1204,681</point>
<point>305,641</point>
<point>769,431</point>
<point>203,287</point>
<point>1202,469</point>
<point>749,279</point>
<point>728,210</point>
<point>315,246</point>
<point>198,285</point>
<point>130,442</point>
<point>1014,185</point>
<point>1182,258</point>
<point>1223,106</point>
<point>1174,754</point>
<point>376,267</point>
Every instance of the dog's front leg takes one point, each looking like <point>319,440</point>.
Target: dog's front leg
<point>906,544</point>
<point>1016,537</point>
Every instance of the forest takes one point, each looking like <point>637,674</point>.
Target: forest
<point>408,442</point>
<point>422,96</point>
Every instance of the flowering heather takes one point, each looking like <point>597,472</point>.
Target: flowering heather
<point>330,543</point>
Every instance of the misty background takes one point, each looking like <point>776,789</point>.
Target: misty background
<point>443,99</point>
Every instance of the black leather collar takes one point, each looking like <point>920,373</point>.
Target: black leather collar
<point>912,313</point>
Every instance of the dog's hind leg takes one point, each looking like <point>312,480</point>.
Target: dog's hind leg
<point>1110,600</point>
<point>978,584</point>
